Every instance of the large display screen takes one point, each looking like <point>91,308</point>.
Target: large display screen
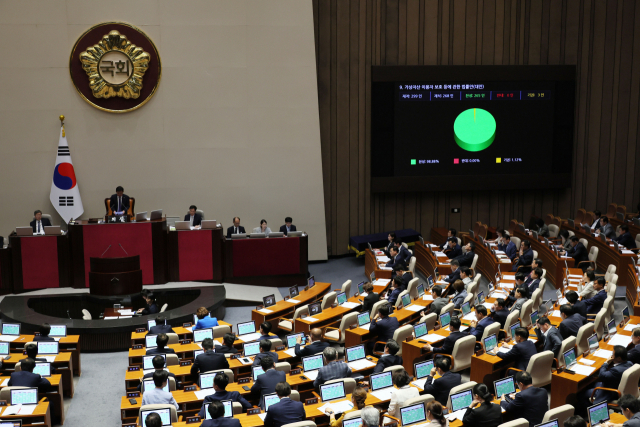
<point>471,127</point>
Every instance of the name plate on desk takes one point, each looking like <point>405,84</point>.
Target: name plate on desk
<point>3,403</point>
<point>235,356</point>
<point>280,348</point>
<point>253,411</point>
<point>133,394</point>
<point>133,368</point>
<point>295,371</point>
<point>243,380</point>
<point>138,330</point>
<point>311,401</point>
<point>185,341</point>
<point>37,334</point>
<point>287,297</point>
<point>24,352</point>
<point>394,424</point>
<point>185,362</point>
<point>186,325</point>
<point>190,388</point>
<point>193,420</point>
<point>137,346</point>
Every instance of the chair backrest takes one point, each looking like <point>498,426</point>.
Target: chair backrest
<point>537,295</point>
<point>561,413</point>
<point>537,301</point>
<point>393,369</point>
<point>459,241</point>
<point>593,253</point>
<point>300,311</point>
<point>349,384</point>
<point>164,308</point>
<point>17,368</point>
<point>401,334</point>
<point>346,288</point>
<point>608,307</point>
<point>5,393</point>
<point>86,315</point>
<point>412,287</point>
<point>429,320</point>
<point>472,290</point>
<point>565,346</point>
<point>629,381</point>
<point>614,281</point>
<point>474,262</point>
<point>535,254</point>
<point>328,300</point>
<point>469,299</point>
<point>544,274</point>
<point>582,339</point>
<point>399,300</point>
<point>352,414</point>
<point>220,330</point>
<point>611,211</point>
<point>553,231</point>
<point>283,367</point>
<point>516,240</point>
<point>412,265</point>
<point>520,422</point>
<point>493,328</point>
<point>611,290</point>
<point>462,352</point>
<point>376,306</point>
<point>448,307</point>
<point>525,313</point>
<point>580,215</point>
<point>229,373</point>
<point>598,323</point>
<point>305,423</point>
<point>172,410</point>
<point>295,395</point>
<point>173,338</point>
<point>459,388</point>
<point>571,234</point>
<point>540,368</point>
<point>511,319</point>
<point>347,320</point>
<point>584,242</point>
<point>610,271</point>
<point>172,359</point>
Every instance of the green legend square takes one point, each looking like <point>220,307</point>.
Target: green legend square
<point>413,161</point>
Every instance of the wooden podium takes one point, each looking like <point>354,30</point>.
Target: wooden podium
<point>125,270</point>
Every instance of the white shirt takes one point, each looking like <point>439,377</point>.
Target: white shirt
<point>399,397</point>
<point>39,228</point>
<point>191,220</point>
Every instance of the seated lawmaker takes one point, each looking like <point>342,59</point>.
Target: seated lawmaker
<point>508,247</point>
<point>578,252</point>
<point>394,258</point>
<point>358,398</point>
<point>401,270</point>
<point>543,229</point>
<point>265,350</point>
<point>548,335</point>
<point>228,347</point>
<point>596,223</point>
<point>441,387</point>
<point>609,377</point>
<point>194,218</point>
<point>451,235</point>
<point>26,378</point>
<point>220,383</point>
<point>450,341</point>
<point>236,228</point>
<point>524,260</point>
<point>633,349</point>
<point>389,357</point>
<point>520,297</point>
<point>32,353</point>
<point>153,420</point>
<point>262,228</point>
<point>370,299</point>
<point>157,395</point>
<point>630,406</point>
<point>625,238</point>
<point>453,249</point>
<point>382,326</point>
<point>500,312</point>
<point>477,326</point>
<point>286,411</point>
<point>119,202</point>
<point>402,392</point>
<point>531,403</point>
<point>216,412</point>
<point>534,284</point>
<point>161,341</point>
<point>394,292</point>
<point>265,330</point>
<point>266,383</point>
<point>404,252</point>
<point>437,303</point>
<point>205,320</point>
<point>390,237</point>
<point>158,364</point>
<point>578,307</point>
<point>521,352</point>
<point>288,226</point>
<point>566,239</point>
<point>315,344</point>
<point>606,228</point>
<point>160,327</point>
<point>595,303</point>
<point>487,414</point>
<point>455,272</point>
<point>333,370</point>
<point>571,322</point>
<point>460,295</point>
<point>151,307</point>
<point>45,330</point>
<point>39,223</point>
<point>466,259</point>
<point>209,360</point>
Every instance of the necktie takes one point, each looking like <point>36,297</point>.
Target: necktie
<point>38,226</point>
<point>236,232</point>
<point>118,204</point>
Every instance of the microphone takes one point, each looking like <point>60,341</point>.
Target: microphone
<point>123,249</point>
<point>68,315</point>
<point>105,252</point>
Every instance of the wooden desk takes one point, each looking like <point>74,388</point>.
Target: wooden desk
<point>40,416</point>
<point>39,262</point>
<point>54,396</point>
<point>63,364</point>
<point>487,264</point>
<point>371,266</point>
<point>286,309</point>
<point>70,343</point>
<point>554,264</point>
<point>426,263</point>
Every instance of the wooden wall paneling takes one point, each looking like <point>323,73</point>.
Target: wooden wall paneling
<point>471,23</point>
<point>431,32</point>
<point>488,32</point>
<point>364,157</point>
<point>445,35</point>
<point>535,32</point>
<point>354,147</point>
<point>391,32</point>
<point>618,145</point>
<point>402,32</point>
<point>342,124</point>
<point>633,157</point>
<point>554,33</point>
<point>499,39</point>
<point>478,31</point>
<point>413,23</point>
<point>458,34</point>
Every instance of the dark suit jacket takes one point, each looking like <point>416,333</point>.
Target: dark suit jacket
<point>405,254</point>
<point>386,361</point>
<point>580,308</point>
<point>233,396</point>
<point>149,376</point>
<point>284,412</point>
<point>535,284</point>
<point>41,338</point>
<point>479,329</point>
<point>197,219</point>
<point>579,253</point>
<point>151,309</point>
<point>626,240</point>
<point>311,349</point>
<point>501,316</point>
<point>525,259</point>
<point>454,252</point>
<point>530,404</point>
<point>466,259</point>
<point>571,325</point>
<point>448,343</point>
<point>610,378</point>
<point>209,361</point>
<point>393,296</point>
<point>230,231</point>
<point>158,350</point>
<point>161,329</point>
<point>259,356</point>
<point>29,379</point>
<point>595,303</point>
<point>45,223</point>
<point>221,422</point>
<point>485,415</point>
<point>369,300</point>
<point>453,276</point>
<point>283,228</point>
<point>520,353</point>
<point>113,202</point>
<point>552,342</point>
<point>266,383</point>
<point>384,328</point>
<point>633,355</point>
<point>225,349</point>
<point>393,261</point>
<point>441,387</point>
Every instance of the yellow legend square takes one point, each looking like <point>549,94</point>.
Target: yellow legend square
<point>498,159</point>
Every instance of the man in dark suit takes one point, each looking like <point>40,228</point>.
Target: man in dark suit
<point>451,235</point>
<point>606,228</point>
<point>236,228</point>
<point>579,307</point>
<point>500,312</point>
<point>508,247</point>
<point>633,349</point>
<point>525,259</point>
<point>333,370</point>
<point>578,252</point>
<point>161,341</point>
<point>288,226</point>
<point>455,272</point>
<point>531,403</point>
<point>483,320</point>
<point>466,259</point>
<point>266,383</point>
<point>596,224</point>
<point>395,257</point>
<point>396,288</point>
<point>194,218</point>
<point>265,350</point>
<point>228,347</point>
<point>383,326</point>
<point>571,322</point>
<point>370,299</point>
<point>265,330</point>
<point>158,364</point>
<point>521,352</point>
<point>45,329</point>
<point>543,229</point>
<point>548,335</point>
<point>390,237</point>
<point>216,411</point>
<point>209,360</point>
<point>32,352</point>
<point>220,383</point>
<point>534,284</point>
<point>595,303</point>
<point>160,327</point>
<point>315,344</point>
<point>389,357</point>
<point>39,223</point>
<point>609,377</point>
<point>119,202</point>
<point>450,341</point>
<point>625,238</point>
<point>402,271</point>
<point>404,252</point>
<point>441,387</point>
<point>453,249</point>
<point>286,411</point>
<point>26,378</point>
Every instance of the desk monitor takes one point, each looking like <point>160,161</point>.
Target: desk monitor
<point>445,319</point>
<point>353,422</point>
<point>165,416</point>
<point>52,230</point>
<point>420,289</point>
<point>461,400</point>
<point>604,239</point>
<point>141,216</point>
<point>197,353</point>
<point>200,335</point>
<point>239,236</point>
<point>269,399</point>
<point>48,347</point>
<point>246,328</point>
<point>360,288</point>
<point>593,343</point>
<point>228,409</point>
<point>256,371</point>
<point>25,396</point>
<point>269,300</point>
<point>370,247</point>
<point>332,391</point>
<point>490,343</point>
<point>615,244</point>
<point>311,282</point>
<point>472,233</point>
<point>534,317</point>
<point>504,386</point>
<point>295,234</point>
<point>293,291</point>
<point>150,324</point>
<point>209,224</point>
<point>625,313</point>
<point>4,348</point>
<point>206,380</point>
<point>150,385</point>
<point>559,293</point>
<point>355,353</point>
<point>571,223</point>
<point>381,380</point>
<point>611,327</point>
<point>431,282</point>
<point>315,308</point>
<point>43,368</point>
<point>598,414</point>
<point>421,240</point>
<point>312,363</point>
<point>292,339</point>
<point>342,298</point>
<point>423,369</point>
<point>406,300</point>
<point>420,330</point>
<point>372,276</point>
<point>413,414</point>
<point>11,329</point>
<point>363,318</point>
<point>548,305</point>
<point>182,225</point>
<point>466,308</point>
<point>24,231</point>
<point>61,330</point>
<point>481,297</point>
<point>513,328</point>
<point>157,214</point>
<point>18,423</point>
<point>570,358</point>
<point>147,361</point>
<point>257,235</point>
<point>251,348</point>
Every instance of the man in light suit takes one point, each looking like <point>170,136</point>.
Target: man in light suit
<point>39,223</point>
<point>466,259</point>
<point>477,326</point>
<point>288,226</point>
<point>441,387</point>
<point>236,228</point>
<point>26,378</point>
<point>521,352</point>
<point>625,238</point>
<point>333,370</point>
<point>508,247</point>
<point>389,357</point>
<point>266,383</point>
<point>119,202</point>
<point>595,303</point>
<point>548,335</point>
<point>286,411</point>
<point>160,327</point>
<point>606,228</point>
<point>531,403</point>
<point>609,377</point>
<point>525,259</point>
<point>194,218</point>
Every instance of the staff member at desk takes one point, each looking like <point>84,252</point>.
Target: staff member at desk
<point>630,406</point>
<point>39,223</point>
<point>262,228</point>
<point>488,414</point>
<point>625,238</point>
<point>45,329</point>
<point>119,202</point>
<point>152,307</point>
<point>578,252</point>
<point>236,228</point>
<point>205,320</point>
<point>288,226</point>
<point>194,218</point>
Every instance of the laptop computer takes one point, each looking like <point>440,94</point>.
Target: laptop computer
<point>295,234</point>
<point>332,391</point>
<point>421,240</point>
<point>165,416</point>
<point>315,308</point>
<point>430,281</point>
<point>611,327</point>
<point>413,414</point>
<point>228,409</point>
<point>491,344</point>
<point>208,224</point>
<point>364,321</point>
<point>251,348</point>
<point>24,231</point>
<point>372,276</point>
<point>200,335</point>
<point>11,329</point>
<point>513,328</point>
<point>422,371</point>
<point>269,300</point>
<point>341,298</point>
<point>311,282</point>
<point>353,422</point>
<point>292,339</point>
<point>552,423</point>
<point>58,331</point>
<point>406,300</point>
<point>246,328</point>
<point>293,291</point>
<point>382,383</point>
<point>311,365</point>
<point>570,358</point>
<point>24,396</point>
<point>150,385</point>
<point>156,214</point>
<point>420,290</point>
<point>369,246</point>
<point>361,288</point>
<point>48,347</point>
<point>183,225</point>
<point>598,414</point>
<point>43,368</point>
<point>534,317</point>
<point>239,236</point>
<point>141,216</point>
<point>206,380</point>
<point>4,348</point>
<point>504,386</point>
<point>197,353</point>
<point>466,308</point>
<point>593,343</point>
<point>52,230</point>
<point>256,371</point>
<point>257,235</point>
<point>461,400</point>
<point>445,319</point>
<point>420,330</point>
<point>481,297</point>
<point>356,358</point>
<point>147,361</point>
<point>269,399</point>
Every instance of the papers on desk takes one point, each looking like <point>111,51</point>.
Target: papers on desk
<point>366,326</point>
<point>379,282</point>
<point>265,311</point>
<point>438,253</point>
<point>312,375</point>
<point>126,312</point>
<point>190,329</point>
<point>250,337</point>
<point>291,351</point>
<point>414,308</point>
<point>627,252</point>
<point>605,354</point>
<point>617,339</point>
<point>126,317</point>
<point>586,361</point>
<point>420,383</point>
<point>500,253</point>
<point>384,393</point>
<point>507,285</point>
<point>563,300</point>
<point>337,407</point>
<point>19,410</point>
<point>293,301</point>
<point>555,313</point>
<point>505,261</point>
<point>361,364</point>
<point>5,383</point>
<point>433,338</point>
<point>427,297</point>
<point>50,359</point>
<point>470,316</point>
<point>441,282</point>
<point>110,317</point>
<point>350,305</point>
<point>431,245</point>
<point>583,370</point>
<point>457,414</point>
<point>386,268</point>
<point>310,319</point>
<point>630,327</point>
<point>383,258</point>
<point>489,305</point>
<point>8,338</point>
<point>575,276</point>
<point>462,328</point>
<point>263,416</point>
<point>56,338</point>
<point>364,294</point>
<point>201,394</point>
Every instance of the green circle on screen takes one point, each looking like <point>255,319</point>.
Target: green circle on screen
<point>474,129</point>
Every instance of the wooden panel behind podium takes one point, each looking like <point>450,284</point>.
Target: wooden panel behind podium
<point>125,269</point>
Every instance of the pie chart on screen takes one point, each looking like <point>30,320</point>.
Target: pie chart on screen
<point>474,129</point>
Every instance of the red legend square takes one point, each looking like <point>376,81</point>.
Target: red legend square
<point>456,161</point>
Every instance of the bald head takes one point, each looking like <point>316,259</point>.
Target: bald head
<point>316,334</point>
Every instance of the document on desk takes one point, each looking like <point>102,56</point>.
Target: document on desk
<point>263,416</point>
<point>337,407</point>
<point>5,383</point>
<point>627,252</point>
<point>583,370</point>
<point>630,327</point>
<point>50,359</point>
<point>441,282</point>
<point>312,375</point>
<point>419,383</point>
<point>438,253</point>
<point>617,339</point>
<point>575,276</point>
<point>126,312</point>
<point>201,394</point>
<point>19,410</point>
<point>379,282</point>
<point>563,300</point>
<point>360,364</point>
<point>427,297</point>
<point>265,311</point>
<point>310,319</point>
<point>292,351</point>
<point>605,354</point>
<point>507,285</point>
<point>249,337</point>
<point>293,301</point>
<point>555,313</point>
<point>126,317</point>
<point>433,338</point>
<point>489,305</point>
<point>587,362</point>
<point>366,326</point>
<point>386,268</point>
<point>414,308</point>
<point>349,304</point>
<point>383,258</point>
<point>8,338</point>
<point>470,316</point>
<point>383,394</point>
<point>457,414</point>
<point>110,317</point>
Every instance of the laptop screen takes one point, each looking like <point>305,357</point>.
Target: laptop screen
<point>314,308</point>
<point>430,279</point>
<point>292,339</point>
<point>420,289</point>
<point>534,317</point>
<point>420,330</point>
<point>43,368</point>
<point>4,348</point>
<point>246,328</point>
<point>332,391</point>
<point>25,396</point>
<point>251,348</point>
<point>481,297</point>
<point>406,300</point>
<point>200,335</point>
<point>353,422</point>
<point>150,340</point>
<point>197,353</point>
<point>490,342</point>
<point>165,416</point>
<point>445,318</point>
<point>150,324</point>
<point>206,380</point>
<point>149,385</point>
<point>257,370</point>
<point>513,329</point>
<point>293,291</point>
<point>372,276</point>
<point>228,410</point>
<point>461,400</point>
<point>342,298</point>
<point>11,329</point>
<point>270,399</point>
<point>466,308</point>
<point>504,386</point>
<point>553,423</point>
<point>47,347</point>
<point>625,312</point>
<point>147,361</point>
<point>598,413</point>
<point>269,300</point>
<point>559,293</point>
<point>611,326</point>
<point>61,331</point>
<point>312,363</point>
<point>423,369</point>
<point>593,342</point>
<point>569,357</point>
<point>361,287</point>
<point>381,380</point>
<point>363,318</point>
<point>355,353</point>
<point>412,414</point>
<point>311,282</point>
